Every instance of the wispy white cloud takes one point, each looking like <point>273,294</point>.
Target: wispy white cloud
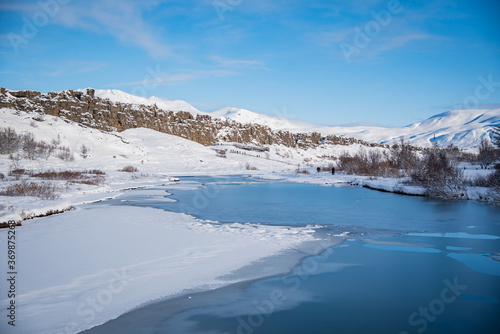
<point>163,79</point>
<point>12,73</point>
<point>73,68</point>
<point>238,63</point>
<point>19,6</point>
<point>122,19</point>
<point>210,105</point>
<point>369,39</point>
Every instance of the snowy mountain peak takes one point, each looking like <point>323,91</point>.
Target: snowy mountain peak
<point>459,117</point>
<point>239,115</point>
<point>274,122</point>
<point>461,128</point>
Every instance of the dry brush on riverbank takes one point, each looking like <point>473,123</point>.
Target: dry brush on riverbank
<point>436,170</point>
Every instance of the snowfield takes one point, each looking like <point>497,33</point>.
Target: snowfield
<point>116,95</point>
<point>85,267</point>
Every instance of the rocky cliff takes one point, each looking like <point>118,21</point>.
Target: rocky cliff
<point>103,114</point>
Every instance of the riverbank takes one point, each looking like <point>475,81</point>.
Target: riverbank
<point>22,208</point>
<point>88,165</point>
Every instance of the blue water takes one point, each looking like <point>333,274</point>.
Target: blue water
<point>408,265</point>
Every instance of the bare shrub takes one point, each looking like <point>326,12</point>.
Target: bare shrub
<point>96,172</point>
<point>29,145</point>
<point>92,181</point>
<point>15,158</point>
<point>487,154</point>
<point>352,165</point>
<point>94,178</point>
<point>56,142</point>
<point>64,175</point>
<point>84,151</point>
<point>17,172</point>
<point>249,167</point>
<point>494,195</point>
<point>65,154</point>
<point>404,156</point>
<point>440,176</point>
<point>44,150</point>
<point>129,169</point>
<point>303,171</point>
<point>9,141</point>
<point>2,176</point>
<point>221,153</point>
<point>489,181</point>
<point>43,190</point>
<point>50,149</point>
<point>372,164</point>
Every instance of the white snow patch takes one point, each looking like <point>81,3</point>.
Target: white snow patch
<point>85,267</point>
<point>116,95</point>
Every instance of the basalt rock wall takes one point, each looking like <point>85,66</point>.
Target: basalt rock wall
<point>86,108</point>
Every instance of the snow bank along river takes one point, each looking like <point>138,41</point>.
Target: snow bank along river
<point>237,255</point>
<point>406,264</point>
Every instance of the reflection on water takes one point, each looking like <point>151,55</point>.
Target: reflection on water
<point>408,265</point>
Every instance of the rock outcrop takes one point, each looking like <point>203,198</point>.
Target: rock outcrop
<point>85,108</point>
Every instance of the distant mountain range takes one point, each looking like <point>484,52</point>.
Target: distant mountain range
<point>462,128</point>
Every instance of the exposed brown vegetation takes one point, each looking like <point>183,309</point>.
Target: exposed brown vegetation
<point>369,164</point>
<point>43,190</point>
<point>221,153</point>
<point>439,175</point>
<point>95,172</point>
<point>489,181</point>
<point>129,169</point>
<point>93,177</point>
<point>250,167</point>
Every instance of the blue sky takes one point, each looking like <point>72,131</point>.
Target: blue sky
<point>330,62</point>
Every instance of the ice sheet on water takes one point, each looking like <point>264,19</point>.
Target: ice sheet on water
<point>403,248</point>
<point>459,235</point>
<point>455,248</point>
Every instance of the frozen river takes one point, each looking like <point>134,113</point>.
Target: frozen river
<point>406,264</point>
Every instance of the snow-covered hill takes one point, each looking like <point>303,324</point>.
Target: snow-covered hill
<point>274,122</point>
<point>462,128</point>
<point>116,95</point>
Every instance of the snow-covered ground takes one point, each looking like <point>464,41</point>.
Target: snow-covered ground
<point>82,268</point>
<point>69,276</point>
<point>116,95</point>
